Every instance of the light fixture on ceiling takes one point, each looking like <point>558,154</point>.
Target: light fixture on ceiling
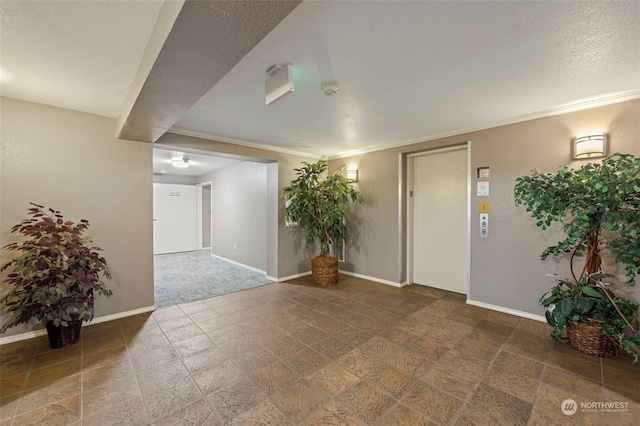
<point>181,163</point>
<point>330,88</point>
<point>590,145</point>
<point>279,83</point>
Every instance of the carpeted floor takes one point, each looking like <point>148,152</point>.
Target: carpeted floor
<point>196,275</point>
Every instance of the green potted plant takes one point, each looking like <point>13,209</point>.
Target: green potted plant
<point>319,206</point>
<point>55,275</point>
<point>598,208</point>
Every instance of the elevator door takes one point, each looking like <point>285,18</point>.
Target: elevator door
<point>440,220</point>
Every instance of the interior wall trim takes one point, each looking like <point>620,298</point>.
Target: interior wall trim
<point>232,141</point>
<point>97,320</point>
<point>509,311</point>
<point>290,277</point>
<point>260,271</point>
<point>351,274</point>
<point>378,280</point>
<point>563,109</point>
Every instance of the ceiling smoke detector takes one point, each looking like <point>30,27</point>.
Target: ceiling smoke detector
<point>330,88</point>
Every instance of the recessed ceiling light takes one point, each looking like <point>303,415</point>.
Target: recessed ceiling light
<point>181,163</point>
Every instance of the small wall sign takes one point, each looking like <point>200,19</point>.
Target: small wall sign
<point>483,172</point>
<point>482,189</point>
<point>484,207</point>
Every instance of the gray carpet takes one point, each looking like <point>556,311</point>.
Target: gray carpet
<point>196,275</point>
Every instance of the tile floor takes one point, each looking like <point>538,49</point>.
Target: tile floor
<point>361,353</point>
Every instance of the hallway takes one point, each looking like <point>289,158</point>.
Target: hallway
<point>196,275</point>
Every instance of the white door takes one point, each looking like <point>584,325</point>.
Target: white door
<point>174,218</point>
<point>440,252</point>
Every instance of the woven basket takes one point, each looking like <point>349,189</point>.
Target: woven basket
<point>324,271</point>
<point>588,338</point>
<point>59,336</point>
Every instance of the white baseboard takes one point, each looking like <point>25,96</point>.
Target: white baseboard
<point>124,314</point>
<point>290,277</point>
<point>23,336</point>
<point>378,280</point>
<point>42,331</point>
<point>352,274</point>
<point>240,264</point>
<point>510,311</point>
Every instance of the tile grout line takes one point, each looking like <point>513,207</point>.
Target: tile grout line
<point>189,372</point>
<point>312,300</point>
<point>26,380</point>
<point>331,398</point>
<point>135,372</point>
<point>544,369</point>
<point>475,387</point>
<point>82,379</point>
<point>603,395</point>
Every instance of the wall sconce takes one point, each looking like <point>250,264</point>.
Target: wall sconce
<point>590,145</point>
<point>352,175</point>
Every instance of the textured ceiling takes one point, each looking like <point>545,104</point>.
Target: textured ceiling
<point>207,39</point>
<point>80,55</point>
<point>408,71</point>
<point>415,70</point>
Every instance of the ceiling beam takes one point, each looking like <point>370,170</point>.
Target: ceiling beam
<point>207,40</point>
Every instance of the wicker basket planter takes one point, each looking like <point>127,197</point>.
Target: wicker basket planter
<point>588,338</point>
<point>324,271</point>
<point>59,336</point>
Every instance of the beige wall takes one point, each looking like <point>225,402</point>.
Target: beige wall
<point>505,267</point>
<point>71,161</point>
<point>239,213</point>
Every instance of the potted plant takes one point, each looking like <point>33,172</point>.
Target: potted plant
<point>319,206</point>
<point>55,275</point>
<point>598,207</point>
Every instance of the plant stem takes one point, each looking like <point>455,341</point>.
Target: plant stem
<point>593,260</point>
<point>606,292</point>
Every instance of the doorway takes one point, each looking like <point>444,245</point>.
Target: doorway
<point>439,219</point>
<point>204,215</point>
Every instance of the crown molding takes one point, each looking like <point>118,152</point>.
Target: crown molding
<point>562,109</point>
<point>223,139</point>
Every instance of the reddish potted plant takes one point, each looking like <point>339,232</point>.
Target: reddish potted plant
<point>55,275</point>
